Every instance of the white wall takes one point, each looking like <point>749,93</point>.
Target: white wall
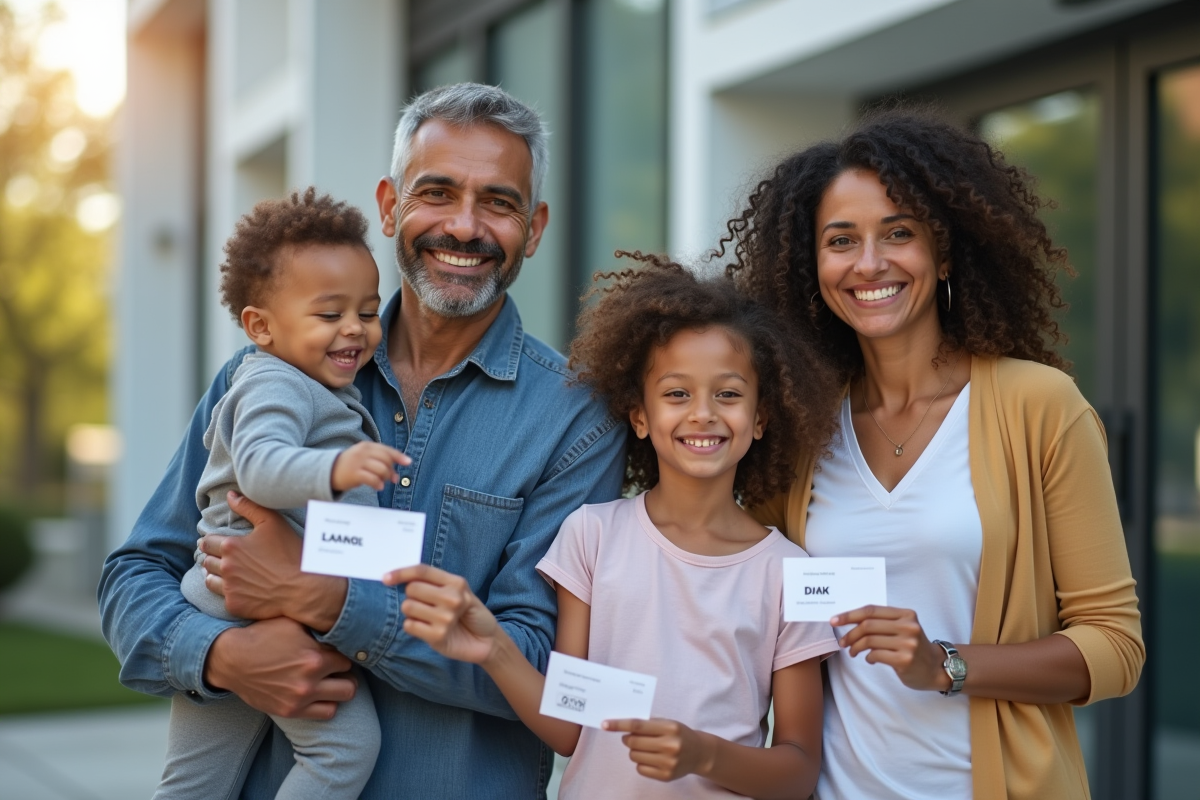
<point>153,385</point>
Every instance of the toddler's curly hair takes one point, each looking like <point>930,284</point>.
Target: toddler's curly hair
<point>252,253</point>
<point>642,309</point>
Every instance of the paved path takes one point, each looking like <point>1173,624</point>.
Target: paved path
<point>83,755</point>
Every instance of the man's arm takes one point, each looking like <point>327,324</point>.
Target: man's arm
<point>523,602</point>
<point>159,637</point>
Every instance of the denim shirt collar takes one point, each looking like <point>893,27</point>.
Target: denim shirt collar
<point>497,354</point>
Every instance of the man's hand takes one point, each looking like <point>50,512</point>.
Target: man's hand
<point>664,749</point>
<point>259,574</point>
<point>441,609</point>
<point>367,464</point>
<point>277,667</point>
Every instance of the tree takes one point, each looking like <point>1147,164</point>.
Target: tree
<point>54,160</point>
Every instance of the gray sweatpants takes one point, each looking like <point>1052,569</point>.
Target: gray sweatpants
<point>210,748</point>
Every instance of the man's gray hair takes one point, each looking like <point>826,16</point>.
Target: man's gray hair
<point>463,104</point>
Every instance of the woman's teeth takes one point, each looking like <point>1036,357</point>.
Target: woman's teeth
<point>877,294</point>
<point>701,442</point>
<point>456,261</point>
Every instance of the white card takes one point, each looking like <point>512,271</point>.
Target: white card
<point>360,541</point>
<point>587,693</point>
<point>814,589</point>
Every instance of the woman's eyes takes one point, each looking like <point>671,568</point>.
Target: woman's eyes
<point>839,241</point>
<point>901,233</point>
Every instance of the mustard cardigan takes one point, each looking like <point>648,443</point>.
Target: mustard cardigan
<point>1054,561</point>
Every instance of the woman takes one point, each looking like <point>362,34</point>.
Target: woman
<point>966,457</point>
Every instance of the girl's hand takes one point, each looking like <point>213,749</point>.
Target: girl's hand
<point>441,609</point>
<point>665,749</point>
<point>893,636</point>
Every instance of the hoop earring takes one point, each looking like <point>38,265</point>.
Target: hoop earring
<point>949,295</point>
<point>814,311</point>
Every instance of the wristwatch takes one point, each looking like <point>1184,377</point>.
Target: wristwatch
<point>954,665</point>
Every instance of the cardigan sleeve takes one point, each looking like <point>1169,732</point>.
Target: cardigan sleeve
<point>1097,606</point>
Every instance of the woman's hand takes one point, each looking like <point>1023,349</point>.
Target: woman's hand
<point>664,749</point>
<point>441,609</point>
<point>893,636</point>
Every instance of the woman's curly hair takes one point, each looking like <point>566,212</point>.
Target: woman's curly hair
<point>982,211</point>
<point>642,309</point>
<point>252,253</point>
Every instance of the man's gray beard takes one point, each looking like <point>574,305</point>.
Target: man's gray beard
<point>489,287</point>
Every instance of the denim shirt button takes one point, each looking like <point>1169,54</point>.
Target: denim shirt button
<point>429,402</point>
<point>361,655</point>
<point>406,481</point>
<point>399,417</point>
<point>192,693</point>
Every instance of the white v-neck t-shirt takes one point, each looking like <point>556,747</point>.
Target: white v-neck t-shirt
<point>881,738</point>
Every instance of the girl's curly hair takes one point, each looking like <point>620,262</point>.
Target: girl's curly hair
<point>642,309</point>
<point>252,253</point>
<point>983,213</point>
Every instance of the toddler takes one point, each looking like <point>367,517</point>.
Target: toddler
<point>300,279</point>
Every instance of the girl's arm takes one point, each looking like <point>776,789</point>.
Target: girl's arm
<point>441,609</point>
<point>665,750</point>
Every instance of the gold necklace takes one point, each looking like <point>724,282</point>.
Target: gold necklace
<point>900,445</point>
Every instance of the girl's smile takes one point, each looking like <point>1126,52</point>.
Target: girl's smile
<point>700,404</point>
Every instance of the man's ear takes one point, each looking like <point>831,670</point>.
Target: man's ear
<point>257,325</point>
<point>637,419</point>
<point>537,225</point>
<point>386,198</point>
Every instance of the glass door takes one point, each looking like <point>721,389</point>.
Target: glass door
<point>1175,260</point>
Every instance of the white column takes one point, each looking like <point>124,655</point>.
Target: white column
<point>154,373</point>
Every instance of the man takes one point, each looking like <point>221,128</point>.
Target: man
<point>502,449</point>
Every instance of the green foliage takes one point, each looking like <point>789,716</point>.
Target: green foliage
<point>44,671</point>
<point>16,553</point>
<point>53,272</point>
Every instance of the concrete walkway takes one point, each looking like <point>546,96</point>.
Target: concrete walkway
<point>83,755</point>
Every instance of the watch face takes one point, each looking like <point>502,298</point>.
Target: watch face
<point>957,667</point>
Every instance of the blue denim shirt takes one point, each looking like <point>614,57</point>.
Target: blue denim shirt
<point>503,448</point>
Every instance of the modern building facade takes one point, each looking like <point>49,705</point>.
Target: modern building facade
<point>662,113</point>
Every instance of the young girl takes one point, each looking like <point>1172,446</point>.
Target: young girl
<point>678,582</point>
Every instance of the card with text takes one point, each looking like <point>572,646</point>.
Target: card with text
<point>814,589</point>
<point>588,693</point>
<point>354,541</point>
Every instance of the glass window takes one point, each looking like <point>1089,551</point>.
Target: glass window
<point>527,59</point>
<point>1056,138</point>
<point>453,66</point>
<point>1176,318</point>
<point>625,104</point>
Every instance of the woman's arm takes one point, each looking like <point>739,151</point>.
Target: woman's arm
<point>441,609</point>
<point>1044,671</point>
<point>666,750</point>
<point>1097,607</point>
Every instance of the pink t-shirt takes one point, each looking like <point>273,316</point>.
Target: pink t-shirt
<point>710,628</point>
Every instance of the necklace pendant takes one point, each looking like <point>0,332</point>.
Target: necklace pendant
<point>899,450</point>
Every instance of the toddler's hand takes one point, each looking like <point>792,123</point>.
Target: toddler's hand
<point>367,464</point>
<point>665,749</point>
<point>441,609</point>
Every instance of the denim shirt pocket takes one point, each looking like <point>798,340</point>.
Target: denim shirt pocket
<point>473,530</point>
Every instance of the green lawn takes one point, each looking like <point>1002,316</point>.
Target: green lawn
<point>44,671</point>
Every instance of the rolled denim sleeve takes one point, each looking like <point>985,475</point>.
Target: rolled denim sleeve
<point>160,639</point>
<point>369,629</point>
